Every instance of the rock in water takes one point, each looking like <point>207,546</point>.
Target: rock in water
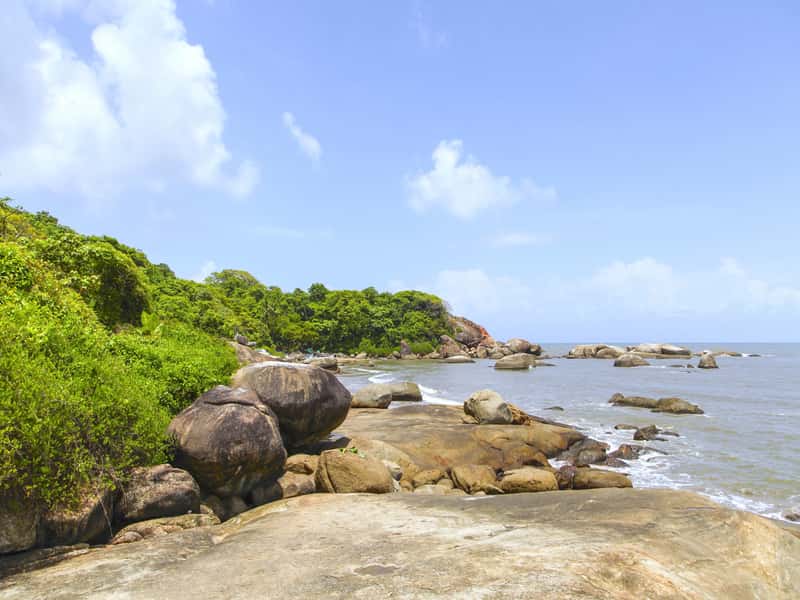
<point>516,362</point>
<point>677,406</point>
<point>155,492</point>
<point>707,361</point>
<point>630,360</point>
<point>346,472</point>
<point>646,433</point>
<point>309,402</point>
<point>487,406</point>
<point>519,346</point>
<point>229,440</point>
<point>458,359</point>
<point>369,397</point>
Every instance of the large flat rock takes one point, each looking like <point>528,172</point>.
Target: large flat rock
<point>571,544</point>
<point>435,436</point>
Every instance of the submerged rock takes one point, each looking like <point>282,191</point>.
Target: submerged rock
<point>630,360</point>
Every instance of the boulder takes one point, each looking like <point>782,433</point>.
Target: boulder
<point>247,355</point>
<point>585,452</point>
<point>229,440</point>
<point>469,333</point>
<point>595,351</point>
<point>518,345</point>
<point>405,350</point>
<point>475,478</point>
<point>630,360</point>
<point>646,433</point>
<point>158,527</point>
<point>287,485</point>
<point>487,406</point>
<point>344,471</point>
<point>303,464</point>
<point>609,352</point>
<point>431,490</point>
<point>636,401</point>
<point>458,359</point>
<point>627,451</point>
<point>677,406</point>
<point>449,347</point>
<point>154,492</point>
<point>309,402</point>
<point>88,521</point>
<point>587,479</point>
<point>673,350</point>
<point>516,362</point>
<point>528,479</point>
<point>371,396</point>
<point>428,477</point>
<point>707,361</point>
<point>403,391</point>
<point>18,524</point>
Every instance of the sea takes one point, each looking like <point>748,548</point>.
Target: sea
<point>744,452</point>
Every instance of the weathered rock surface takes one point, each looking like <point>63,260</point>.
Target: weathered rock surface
<point>469,333</point>
<point>247,355</point>
<point>516,362</point>
<point>595,351</point>
<point>309,402</point>
<point>346,472</point>
<point>329,363</point>
<point>160,491</point>
<point>158,527</point>
<point>458,359</point>
<point>588,479</point>
<point>229,440</point>
<point>475,478</point>
<point>371,396</point>
<point>707,361</point>
<point>487,406</point>
<point>666,405</point>
<point>433,436</point>
<point>287,485</point>
<point>401,391</point>
<point>613,543</point>
<point>630,360</point>
<point>303,464</point>
<point>449,347</point>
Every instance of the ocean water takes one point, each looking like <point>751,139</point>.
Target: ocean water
<point>743,452</point>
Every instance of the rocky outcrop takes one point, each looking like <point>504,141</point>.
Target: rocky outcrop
<point>309,402</point>
<point>589,479</point>
<point>516,362</point>
<point>345,471</point>
<point>669,350</point>
<point>329,363</point>
<point>630,360</point>
<point>606,543</point>
<point>666,405</point>
<point>287,485</point>
<point>595,351</point>
<point>487,406</point>
<point>521,346</point>
<point>247,355</point>
<point>469,333</point>
<point>707,361</point>
<point>434,436</point>
<point>154,492</point>
<point>458,359</point>
<point>229,440</point>
<point>449,347</point>
<point>405,350</point>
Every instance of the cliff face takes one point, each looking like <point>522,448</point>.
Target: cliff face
<point>571,544</point>
<point>470,333</point>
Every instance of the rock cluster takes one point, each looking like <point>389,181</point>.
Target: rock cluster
<point>667,405</point>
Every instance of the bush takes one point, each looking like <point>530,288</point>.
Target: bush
<point>70,410</point>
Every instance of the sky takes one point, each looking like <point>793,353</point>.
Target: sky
<point>573,171</point>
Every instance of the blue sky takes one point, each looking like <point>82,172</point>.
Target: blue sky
<point>560,171</point>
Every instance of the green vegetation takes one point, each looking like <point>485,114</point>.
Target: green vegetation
<point>101,347</point>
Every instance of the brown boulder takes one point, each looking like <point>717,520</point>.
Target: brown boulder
<point>88,521</point>
<point>344,471</point>
<point>707,361</point>
<point>528,479</point>
<point>515,362</point>
<point>630,360</point>
<point>309,402</point>
<point>229,440</point>
<point>587,479</point>
<point>302,464</point>
<point>677,406</point>
<point>475,478</point>
<point>18,524</point>
<point>158,527</point>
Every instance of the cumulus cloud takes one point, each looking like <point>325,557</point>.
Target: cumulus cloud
<point>144,109</point>
<point>309,145</point>
<point>465,187</point>
<point>475,292</point>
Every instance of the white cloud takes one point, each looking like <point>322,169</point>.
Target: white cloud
<point>206,270</point>
<point>144,109</point>
<point>474,292</point>
<point>517,238</point>
<point>307,142</point>
<point>466,187</point>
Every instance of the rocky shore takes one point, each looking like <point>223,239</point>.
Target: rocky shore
<point>286,459</point>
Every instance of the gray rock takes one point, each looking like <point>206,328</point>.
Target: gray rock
<point>155,492</point>
<point>630,360</point>
<point>517,362</point>
<point>707,361</point>
<point>18,524</point>
<point>458,359</point>
<point>487,406</point>
<point>89,521</point>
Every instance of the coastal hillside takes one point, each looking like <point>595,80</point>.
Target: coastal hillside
<point>102,347</point>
